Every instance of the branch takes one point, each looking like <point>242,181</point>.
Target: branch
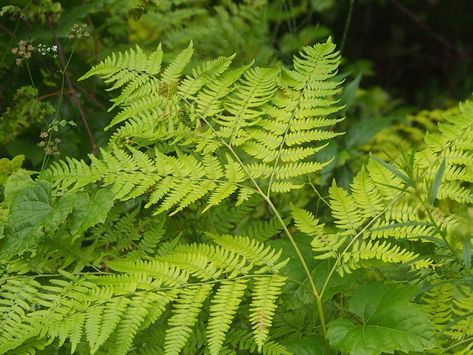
<point>67,92</point>
<point>74,96</point>
<point>426,29</point>
<point>7,31</point>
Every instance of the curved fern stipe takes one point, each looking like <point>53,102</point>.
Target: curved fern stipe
<point>267,199</point>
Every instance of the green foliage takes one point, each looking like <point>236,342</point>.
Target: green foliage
<point>26,110</point>
<point>222,210</point>
<point>390,211</point>
<point>449,307</point>
<point>386,322</point>
<point>274,116</point>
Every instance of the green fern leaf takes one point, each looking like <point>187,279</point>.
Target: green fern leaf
<point>224,306</point>
<point>185,313</point>
<point>344,209</point>
<point>263,305</point>
<point>174,70</point>
<point>306,221</point>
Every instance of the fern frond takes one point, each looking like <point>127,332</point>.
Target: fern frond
<point>203,75</point>
<point>224,306</point>
<point>450,306</point>
<point>185,313</point>
<point>366,195</point>
<point>305,221</point>
<point>104,321</point>
<point>344,209</point>
<point>131,321</point>
<point>242,339</point>
<point>174,70</point>
<point>132,69</point>
<point>276,116</point>
<point>253,251</point>
<point>263,305</point>
<point>252,91</point>
<point>16,298</point>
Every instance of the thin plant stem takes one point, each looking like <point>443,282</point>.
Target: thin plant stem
<point>74,96</point>
<point>347,25</point>
<point>319,195</point>
<point>56,113</point>
<point>29,73</point>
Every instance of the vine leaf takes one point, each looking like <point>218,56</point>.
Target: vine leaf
<point>90,211</point>
<point>386,322</point>
<point>33,212</point>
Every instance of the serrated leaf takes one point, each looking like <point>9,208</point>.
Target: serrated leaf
<point>305,221</point>
<point>32,213</point>
<point>89,212</point>
<point>386,321</point>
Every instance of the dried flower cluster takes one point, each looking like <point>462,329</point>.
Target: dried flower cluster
<point>23,51</point>
<point>79,31</point>
<point>51,146</point>
<point>43,49</point>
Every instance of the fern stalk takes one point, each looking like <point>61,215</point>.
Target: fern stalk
<point>355,238</point>
<point>267,199</point>
<point>315,293</point>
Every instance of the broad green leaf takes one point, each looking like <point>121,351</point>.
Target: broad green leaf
<point>361,132</point>
<point>89,212</point>
<point>15,184</point>
<point>32,213</point>
<point>384,321</point>
<point>313,345</point>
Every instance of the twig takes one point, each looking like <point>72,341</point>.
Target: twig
<point>73,91</point>
<point>7,31</point>
<point>56,93</point>
<point>426,29</point>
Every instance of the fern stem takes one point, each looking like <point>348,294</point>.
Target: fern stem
<point>267,199</point>
<point>355,238</point>
<point>315,293</point>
